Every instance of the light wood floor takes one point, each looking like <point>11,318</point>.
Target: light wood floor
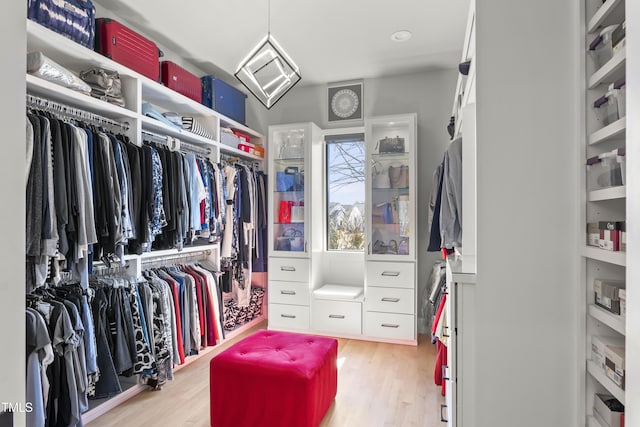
<point>379,384</point>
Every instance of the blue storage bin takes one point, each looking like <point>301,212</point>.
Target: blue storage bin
<point>224,98</point>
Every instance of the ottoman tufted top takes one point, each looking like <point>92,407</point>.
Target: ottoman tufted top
<point>273,352</point>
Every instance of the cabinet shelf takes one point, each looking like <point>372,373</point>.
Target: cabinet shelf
<point>171,252</point>
<point>239,153</point>
<point>612,193</point>
<point>390,156</point>
<point>614,321</point>
<point>606,16</point>
<point>77,57</point>
<point>290,160</point>
<point>600,376</point>
<point>157,126</point>
<point>68,53</point>
<point>592,421</point>
<point>617,258</point>
<point>40,87</point>
<point>611,71</point>
<point>617,129</point>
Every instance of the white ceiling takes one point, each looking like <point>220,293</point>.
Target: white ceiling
<point>330,40</point>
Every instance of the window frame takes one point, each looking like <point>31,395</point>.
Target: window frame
<point>327,135</point>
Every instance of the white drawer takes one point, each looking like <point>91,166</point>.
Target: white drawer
<point>391,274</point>
<point>296,293</point>
<point>390,300</point>
<point>391,326</point>
<point>289,269</point>
<point>337,316</point>
<point>282,316</point>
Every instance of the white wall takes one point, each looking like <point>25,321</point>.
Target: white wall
<point>632,396</point>
<point>12,187</point>
<point>430,95</point>
<point>528,127</point>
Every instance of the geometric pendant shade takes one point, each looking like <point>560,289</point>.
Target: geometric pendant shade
<point>268,72</point>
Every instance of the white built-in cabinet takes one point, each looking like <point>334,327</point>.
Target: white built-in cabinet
<point>383,306</point>
<point>390,277</point>
<point>459,330</point>
<point>605,131</point>
<point>293,239</point>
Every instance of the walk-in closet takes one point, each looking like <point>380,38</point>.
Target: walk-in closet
<point>331,214</point>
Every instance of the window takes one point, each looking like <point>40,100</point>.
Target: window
<point>345,192</point>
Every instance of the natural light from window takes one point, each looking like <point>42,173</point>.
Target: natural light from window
<point>345,192</point>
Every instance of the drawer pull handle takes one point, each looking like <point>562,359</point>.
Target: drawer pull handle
<point>444,373</point>
<point>285,268</point>
<point>389,325</point>
<point>442,418</point>
<point>391,273</point>
<point>288,292</point>
<point>390,299</point>
<point>336,316</point>
<point>288,316</point>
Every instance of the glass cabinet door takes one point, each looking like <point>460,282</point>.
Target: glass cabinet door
<point>287,151</point>
<point>391,186</point>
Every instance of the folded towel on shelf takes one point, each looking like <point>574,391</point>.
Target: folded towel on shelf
<point>149,111</point>
<point>175,118</point>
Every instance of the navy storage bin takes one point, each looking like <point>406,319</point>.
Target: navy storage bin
<point>74,19</point>
<point>223,98</point>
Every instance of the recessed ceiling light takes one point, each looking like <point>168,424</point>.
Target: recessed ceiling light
<point>401,36</point>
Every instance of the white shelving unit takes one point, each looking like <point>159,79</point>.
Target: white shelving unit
<point>607,204</point>
<point>390,309</point>
<point>617,258</point>
<point>614,321</point>
<point>615,130</point>
<point>609,13</point>
<point>600,376</point>
<point>592,421</point>
<point>137,89</point>
<point>607,194</point>
<point>611,71</point>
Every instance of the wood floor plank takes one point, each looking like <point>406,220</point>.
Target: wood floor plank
<point>379,384</point>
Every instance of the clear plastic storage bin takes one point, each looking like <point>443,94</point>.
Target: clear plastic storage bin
<point>601,48</point>
<point>611,106</point>
<point>606,170</point>
<point>620,88</point>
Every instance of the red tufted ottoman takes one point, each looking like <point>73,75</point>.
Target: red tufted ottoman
<point>274,379</point>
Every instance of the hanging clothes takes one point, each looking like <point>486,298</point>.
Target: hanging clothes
<point>445,204</point>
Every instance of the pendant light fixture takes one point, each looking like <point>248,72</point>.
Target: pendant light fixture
<point>267,71</point>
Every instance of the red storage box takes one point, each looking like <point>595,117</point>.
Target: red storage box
<point>177,78</point>
<point>247,148</point>
<point>274,379</point>
<point>128,48</point>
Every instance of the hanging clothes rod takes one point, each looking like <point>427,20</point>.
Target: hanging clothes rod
<point>174,143</point>
<point>106,270</point>
<point>67,111</point>
<point>230,159</point>
<point>193,256</point>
